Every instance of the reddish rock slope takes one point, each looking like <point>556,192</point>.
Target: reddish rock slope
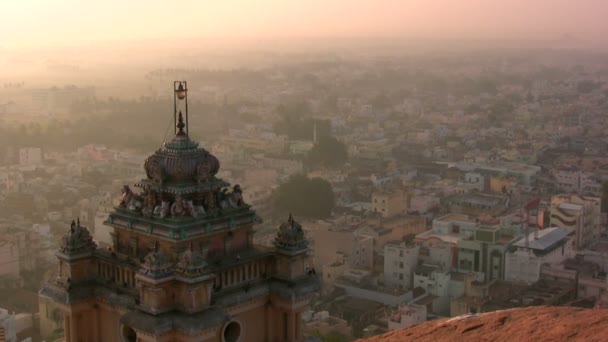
<point>537,323</point>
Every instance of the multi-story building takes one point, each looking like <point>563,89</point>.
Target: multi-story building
<point>390,203</point>
<point>484,252</point>
<point>572,179</point>
<point>439,246</point>
<point>477,204</point>
<point>182,265</point>
<point>578,214</point>
<point>436,282</point>
<point>549,245</point>
<point>362,256</point>
<point>400,260</point>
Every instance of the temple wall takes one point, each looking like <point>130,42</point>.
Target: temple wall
<point>109,326</point>
<point>253,324</point>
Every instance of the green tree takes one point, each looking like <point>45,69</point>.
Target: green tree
<point>303,196</point>
<point>327,152</point>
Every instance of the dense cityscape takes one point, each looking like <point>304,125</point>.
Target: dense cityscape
<point>334,192</point>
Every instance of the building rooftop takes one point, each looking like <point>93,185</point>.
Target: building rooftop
<point>449,237</point>
<point>455,217</point>
<point>544,240</point>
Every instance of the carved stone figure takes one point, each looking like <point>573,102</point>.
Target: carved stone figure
<point>154,169</point>
<point>129,199</point>
<point>178,208</point>
<point>163,209</point>
<point>198,211</point>
<point>125,197</point>
<point>149,204</point>
<point>223,199</point>
<point>237,196</point>
<point>136,203</point>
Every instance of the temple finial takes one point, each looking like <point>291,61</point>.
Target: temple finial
<point>180,123</point>
<point>290,220</point>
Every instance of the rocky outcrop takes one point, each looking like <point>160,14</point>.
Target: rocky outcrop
<point>537,323</point>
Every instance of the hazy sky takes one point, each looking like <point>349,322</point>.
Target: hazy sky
<point>33,22</point>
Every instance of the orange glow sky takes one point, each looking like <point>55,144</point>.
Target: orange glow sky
<point>35,22</point>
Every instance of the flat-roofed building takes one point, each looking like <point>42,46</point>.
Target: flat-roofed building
<point>578,214</point>
<point>390,203</point>
<point>551,245</point>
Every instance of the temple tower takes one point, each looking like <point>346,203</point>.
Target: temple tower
<point>182,265</point>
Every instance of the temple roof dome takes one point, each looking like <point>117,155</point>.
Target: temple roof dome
<point>291,236</point>
<point>77,240</point>
<point>157,264</point>
<point>191,263</point>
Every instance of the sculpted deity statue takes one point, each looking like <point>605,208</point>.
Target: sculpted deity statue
<point>129,200</point>
<point>223,199</point>
<point>179,207</point>
<point>163,209</point>
<point>149,204</point>
<point>237,196</point>
<point>125,197</point>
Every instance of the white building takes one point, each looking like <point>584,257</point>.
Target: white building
<point>575,180</point>
<point>476,179</point>
<point>400,260</point>
<point>30,156</point>
<point>546,246</point>
<point>8,329</point>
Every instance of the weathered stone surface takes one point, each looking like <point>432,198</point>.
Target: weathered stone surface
<point>536,323</point>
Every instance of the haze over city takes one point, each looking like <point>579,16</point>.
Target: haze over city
<point>282,170</point>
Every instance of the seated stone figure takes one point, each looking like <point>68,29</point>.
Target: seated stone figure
<point>179,207</point>
<point>149,204</point>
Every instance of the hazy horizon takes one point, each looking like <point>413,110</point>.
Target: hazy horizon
<point>32,23</point>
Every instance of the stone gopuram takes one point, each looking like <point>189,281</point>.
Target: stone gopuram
<point>182,265</point>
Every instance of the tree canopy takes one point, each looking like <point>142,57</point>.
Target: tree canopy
<point>327,152</point>
<point>303,196</point>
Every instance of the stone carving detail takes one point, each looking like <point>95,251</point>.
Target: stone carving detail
<point>191,263</point>
<point>129,199</point>
<point>154,169</point>
<point>157,264</point>
<point>179,207</point>
<point>77,240</point>
<point>149,204</point>
<point>290,236</point>
<point>227,200</point>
